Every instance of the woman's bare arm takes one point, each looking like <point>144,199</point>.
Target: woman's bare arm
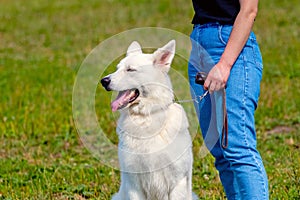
<point>242,27</point>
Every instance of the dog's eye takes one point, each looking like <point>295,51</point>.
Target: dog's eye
<point>130,69</point>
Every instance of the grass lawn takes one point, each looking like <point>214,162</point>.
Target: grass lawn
<point>42,45</point>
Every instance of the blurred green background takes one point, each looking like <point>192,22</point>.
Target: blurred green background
<point>42,45</point>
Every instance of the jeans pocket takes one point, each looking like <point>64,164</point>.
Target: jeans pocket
<point>256,53</point>
<point>224,33</point>
<point>251,46</point>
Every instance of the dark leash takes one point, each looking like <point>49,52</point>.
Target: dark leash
<point>200,79</point>
<point>224,140</point>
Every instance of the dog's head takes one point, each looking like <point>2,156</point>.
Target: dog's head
<point>141,79</point>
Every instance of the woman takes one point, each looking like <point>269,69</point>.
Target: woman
<point>224,47</point>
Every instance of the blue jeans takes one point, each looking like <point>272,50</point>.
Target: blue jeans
<point>240,165</point>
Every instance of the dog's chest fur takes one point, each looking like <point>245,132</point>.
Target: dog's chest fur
<point>150,133</point>
<point>159,139</point>
<point>146,142</point>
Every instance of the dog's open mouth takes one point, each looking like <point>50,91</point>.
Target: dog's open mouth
<point>124,98</point>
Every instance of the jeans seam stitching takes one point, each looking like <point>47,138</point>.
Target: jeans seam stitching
<point>244,101</point>
<point>245,135</point>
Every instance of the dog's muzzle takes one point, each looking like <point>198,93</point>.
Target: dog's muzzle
<point>105,83</point>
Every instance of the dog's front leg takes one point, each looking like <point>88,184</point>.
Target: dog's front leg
<point>129,195</point>
<point>131,190</point>
<point>182,190</point>
<point>135,195</point>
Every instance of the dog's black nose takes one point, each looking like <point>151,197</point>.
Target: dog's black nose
<point>105,82</point>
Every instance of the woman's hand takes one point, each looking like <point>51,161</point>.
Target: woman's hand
<point>217,77</point>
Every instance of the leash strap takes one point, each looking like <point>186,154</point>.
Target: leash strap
<point>200,79</point>
<point>224,140</point>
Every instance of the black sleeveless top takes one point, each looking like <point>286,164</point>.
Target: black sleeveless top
<point>209,11</point>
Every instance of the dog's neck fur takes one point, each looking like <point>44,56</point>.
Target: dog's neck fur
<point>163,97</point>
<point>145,110</point>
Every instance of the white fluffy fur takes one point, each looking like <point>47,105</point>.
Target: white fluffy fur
<point>155,147</point>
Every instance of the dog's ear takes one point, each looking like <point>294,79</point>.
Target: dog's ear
<point>134,48</point>
<point>163,56</point>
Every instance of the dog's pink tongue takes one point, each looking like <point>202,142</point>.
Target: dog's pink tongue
<point>121,101</point>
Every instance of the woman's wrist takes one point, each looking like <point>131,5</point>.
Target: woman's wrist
<point>225,64</point>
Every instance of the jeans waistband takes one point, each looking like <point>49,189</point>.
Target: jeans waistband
<point>211,25</point>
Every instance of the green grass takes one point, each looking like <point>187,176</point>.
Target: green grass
<point>43,43</point>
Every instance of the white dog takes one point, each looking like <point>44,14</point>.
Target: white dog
<point>155,148</point>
